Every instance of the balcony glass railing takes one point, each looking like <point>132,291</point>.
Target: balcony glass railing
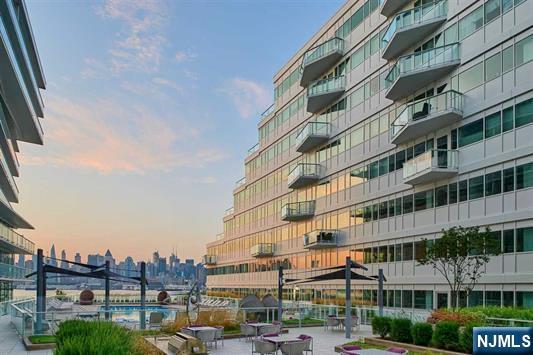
<point>8,271</point>
<point>262,249</point>
<point>10,236</point>
<point>414,16</point>
<point>228,211</point>
<point>449,100</point>
<point>333,45</point>
<point>313,129</point>
<point>240,182</point>
<point>268,111</point>
<point>298,209</point>
<point>432,159</point>
<point>423,60</point>
<point>324,86</point>
<point>304,169</point>
<point>321,237</point>
<point>252,150</point>
<point>209,259</point>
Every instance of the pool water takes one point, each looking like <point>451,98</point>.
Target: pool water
<point>124,313</point>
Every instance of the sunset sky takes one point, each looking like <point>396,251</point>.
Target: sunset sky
<point>150,109</point>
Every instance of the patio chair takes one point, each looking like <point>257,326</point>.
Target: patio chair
<point>308,340</point>
<point>247,331</point>
<point>396,350</point>
<point>293,348</point>
<point>263,347</point>
<point>268,329</point>
<point>278,325</point>
<point>332,322</point>
<point>219,335</point>
<point>155,320</point>
<point>207,336</point>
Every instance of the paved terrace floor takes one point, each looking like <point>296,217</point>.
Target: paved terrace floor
<point>323,341</point>
<point>10,342</point>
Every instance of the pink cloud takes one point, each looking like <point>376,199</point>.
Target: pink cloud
<point>108,137</point>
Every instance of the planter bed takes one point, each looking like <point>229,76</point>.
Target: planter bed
<point>410,347</point>
<point>37,346</point>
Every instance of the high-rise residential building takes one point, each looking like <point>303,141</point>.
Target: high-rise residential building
<point>64,263</point>
<point>397,119</point>
<point>21,106</point>
<point>52,260</point>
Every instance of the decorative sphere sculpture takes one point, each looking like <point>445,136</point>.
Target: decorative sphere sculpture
<point>193,299</point>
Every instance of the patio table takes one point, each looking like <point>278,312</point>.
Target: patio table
<point>280,339</point>
<point>256,326</point>
<point>199,329</point>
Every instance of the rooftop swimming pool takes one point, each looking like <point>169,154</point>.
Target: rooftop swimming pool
<point>126,313</point>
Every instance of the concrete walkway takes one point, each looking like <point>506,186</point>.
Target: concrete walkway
<point>10,342</point>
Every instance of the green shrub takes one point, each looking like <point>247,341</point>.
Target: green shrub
<point>95,338</point>
<point>422,333</point>
<point>446,335</point>
<point>466,337</point>
<point>401,330</point>
<point>381,326</point>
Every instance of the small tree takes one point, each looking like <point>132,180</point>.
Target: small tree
<point>460,255</point>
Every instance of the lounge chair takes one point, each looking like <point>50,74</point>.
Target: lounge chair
<point>155,320</point>
<point>397,350</point>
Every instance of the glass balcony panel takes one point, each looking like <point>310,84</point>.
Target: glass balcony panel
<point>320,239</point>
<point>324,92</point>
<point>13,272</point>
<point>390,7</point>
<point>412,26</point>
<point>414,71</point>
<point>312,135</point>
<point>435,164</point>
<point>210,259</point>
<point>303,175</point>
<point>298,211</point>
<point>13,242</point>
<point>427,115</point>
<point>320,59</point>
<point>262,249</point>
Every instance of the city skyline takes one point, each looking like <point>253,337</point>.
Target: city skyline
<point>119,174</point>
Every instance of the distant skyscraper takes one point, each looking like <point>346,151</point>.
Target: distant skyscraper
<point>129,267</point>
<point>77,258</point>
<point>109,257</point>
<point>53,260</point>
<point>64,264</point>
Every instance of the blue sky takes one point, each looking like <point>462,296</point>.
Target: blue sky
<point>150,109</point>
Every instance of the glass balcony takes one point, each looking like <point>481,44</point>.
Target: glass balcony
<point>252,150</point>
<point>312,135</point>
<point>240,182</point>
<point>427,115</point>
<point>304,174</point>
<point>412,26</point>
<point>14,243</point>
<point>320,59</point>
<point>13,272</point>
<point>414,71</point>
<point>323,93</point>
<point>433,165</point>
<point>321,239</point>
<point>298,211</point>
<point>262,249</point>
<point>390,7</point>
<point>209,259</point>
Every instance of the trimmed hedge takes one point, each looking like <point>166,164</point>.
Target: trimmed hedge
<point>381,326</point>
<point>422,333</point>
<point>467,337</point>
<point>446,335</point>
<point>401,330</point>
<point>95,338</point>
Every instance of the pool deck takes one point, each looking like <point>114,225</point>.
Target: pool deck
<point>324,341</point>
<point>10,342</point>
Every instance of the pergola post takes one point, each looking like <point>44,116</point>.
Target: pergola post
<point>348,312</point>
<point>142,315</point>
<point>107,290</point>
<point>41,293</point>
